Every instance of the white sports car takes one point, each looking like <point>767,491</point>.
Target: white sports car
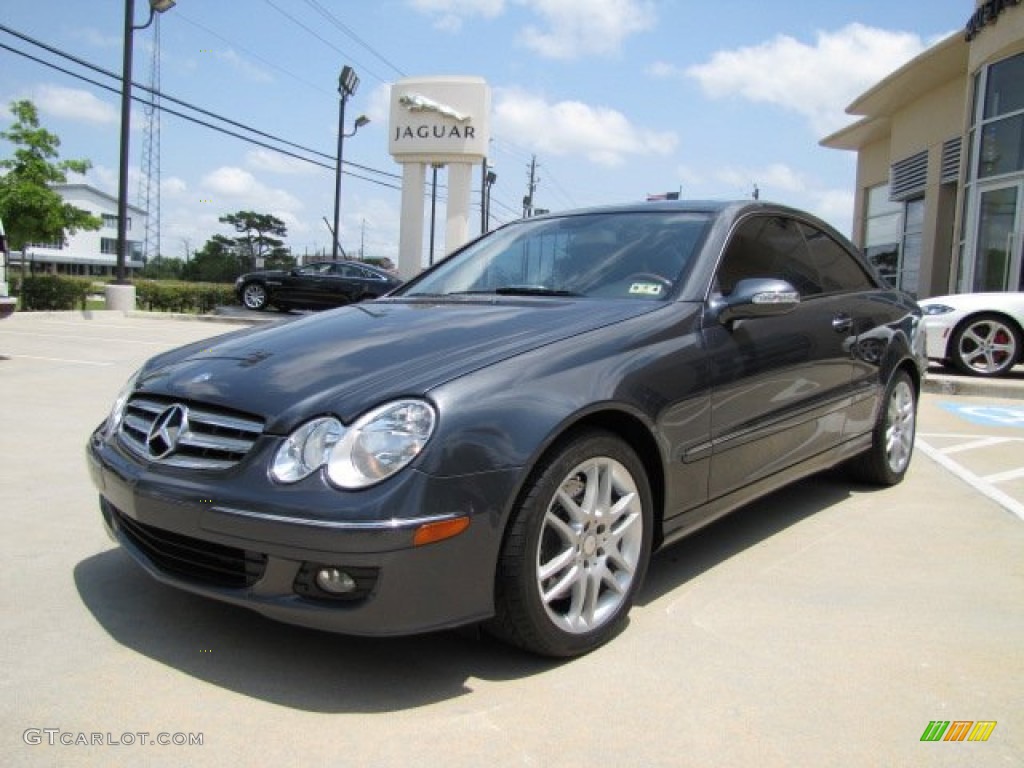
<point>977,333</point>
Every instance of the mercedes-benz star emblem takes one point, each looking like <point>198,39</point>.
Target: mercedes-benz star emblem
<point>168,427</point>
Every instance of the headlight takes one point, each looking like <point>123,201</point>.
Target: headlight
<point>306,450</point>
<point>117,411</point>
<point>376,446</point>
<point>935,309</point>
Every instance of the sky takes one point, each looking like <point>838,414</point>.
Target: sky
<point>616,99</point>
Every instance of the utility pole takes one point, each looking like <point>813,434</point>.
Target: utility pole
<point>531,188</point>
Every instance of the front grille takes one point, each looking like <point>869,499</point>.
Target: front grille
<point>195,560</point>
<point>191,437</point>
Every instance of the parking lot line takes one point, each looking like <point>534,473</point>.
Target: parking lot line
<point>1002,477</point>
<point>973,480</point>
<point>984,442</point>
<point>55,359</point>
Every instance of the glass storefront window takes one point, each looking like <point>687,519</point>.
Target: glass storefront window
<point>910,259</point>
<point>1005,90</point>
<point>996,218</point>
<point>1002,147</point>
<point>882,231</point>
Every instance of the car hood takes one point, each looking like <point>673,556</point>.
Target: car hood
<point>350,359</point>
<point>263,275</point>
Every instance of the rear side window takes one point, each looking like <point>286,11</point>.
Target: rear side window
<point>838,269</point>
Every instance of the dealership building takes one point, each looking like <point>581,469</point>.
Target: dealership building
<point>939,204</point>
<point>87,252</point>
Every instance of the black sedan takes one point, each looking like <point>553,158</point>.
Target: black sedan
<point>506,438</point>
<point>320,285</point>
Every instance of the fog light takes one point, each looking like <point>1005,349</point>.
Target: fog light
<point>335,581</point>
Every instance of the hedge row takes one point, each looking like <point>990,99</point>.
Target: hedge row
<point>52,292</point>
<point>56,292</point>
<point>172,296</point>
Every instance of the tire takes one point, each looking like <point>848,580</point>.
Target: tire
<point>576,549</point>
<point>254,296</point>
<point>892,441</point>
<point>985,345</point>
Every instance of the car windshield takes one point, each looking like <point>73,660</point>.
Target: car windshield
<point>628,255</point>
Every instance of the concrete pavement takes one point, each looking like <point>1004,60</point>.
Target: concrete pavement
<point>826,625</point>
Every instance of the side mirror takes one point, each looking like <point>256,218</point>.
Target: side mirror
<point>756,297</point>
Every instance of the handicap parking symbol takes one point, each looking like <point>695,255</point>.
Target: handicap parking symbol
<point>988,415</point>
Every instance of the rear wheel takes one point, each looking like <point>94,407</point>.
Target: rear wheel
<point>986,345</point>
<point>254,296</point>
<point>576,550</point>
<point>892,441</point>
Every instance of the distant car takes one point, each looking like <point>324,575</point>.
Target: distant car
<point>977,333</point>
<point>507,437</point>
<point>320,285</point>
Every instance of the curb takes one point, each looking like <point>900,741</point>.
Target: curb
<point>944,384</point>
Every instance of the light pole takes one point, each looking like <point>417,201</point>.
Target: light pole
<point>348,81</point>
<point>155,7</point>
<point>489,180</point>
<point>434,168</point>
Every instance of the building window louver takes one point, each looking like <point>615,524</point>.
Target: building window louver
<point>908,177</point>
<point>951,161</point>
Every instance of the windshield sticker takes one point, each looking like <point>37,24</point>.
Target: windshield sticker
<point>646,289</point>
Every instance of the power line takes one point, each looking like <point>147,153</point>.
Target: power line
<point>348,31</point>
<point>200,110</point>
<point>179,15</point>
<point>324,40</point>
<point>203,123</point>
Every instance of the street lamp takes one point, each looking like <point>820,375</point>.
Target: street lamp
<point>348,81</point>
<point>155,7</point>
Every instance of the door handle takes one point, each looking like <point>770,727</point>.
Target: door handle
<point>842,323</point>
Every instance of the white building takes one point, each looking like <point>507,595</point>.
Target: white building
<point>87,253</point>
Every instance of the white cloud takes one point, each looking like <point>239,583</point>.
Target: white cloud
<point>567,29</point>
<point>74,104</point>
<point>575,29</point>
<point>98,39</point>
<point>602,135</point>
<point>274,162</point>
<point>228,186</point>
<point>777,176</point>
<point>450,14</point>
<point>243,66</point>
<point>818,81</point>
<point>173,187</point>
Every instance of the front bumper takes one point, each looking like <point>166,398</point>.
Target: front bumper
<point>237,537</point>
<point>937,330</point>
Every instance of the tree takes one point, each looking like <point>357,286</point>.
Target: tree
<point>31,210</point>
<point>254,241</point>
<point>216,262</point>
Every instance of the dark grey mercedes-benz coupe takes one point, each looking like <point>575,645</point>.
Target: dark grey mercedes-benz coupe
<point>506,438</point>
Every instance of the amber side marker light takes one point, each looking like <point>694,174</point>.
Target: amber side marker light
<point>428,533</point>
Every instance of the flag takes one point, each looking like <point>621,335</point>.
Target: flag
<point>664,196</point>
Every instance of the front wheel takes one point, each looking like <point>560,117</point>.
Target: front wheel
<point>576,550</point>
<point>254,296</point>
<point>892,441</point>
<point>985,345</point>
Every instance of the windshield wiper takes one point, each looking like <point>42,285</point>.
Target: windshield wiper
<point>532,290</point>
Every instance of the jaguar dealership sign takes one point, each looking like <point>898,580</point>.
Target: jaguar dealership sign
<point>437,122</point>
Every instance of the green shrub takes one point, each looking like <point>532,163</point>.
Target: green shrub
<point>174,296</point>
<point>52,292</point>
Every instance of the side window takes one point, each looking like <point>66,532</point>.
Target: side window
<point>769,246</point>
<point>839,270</point>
